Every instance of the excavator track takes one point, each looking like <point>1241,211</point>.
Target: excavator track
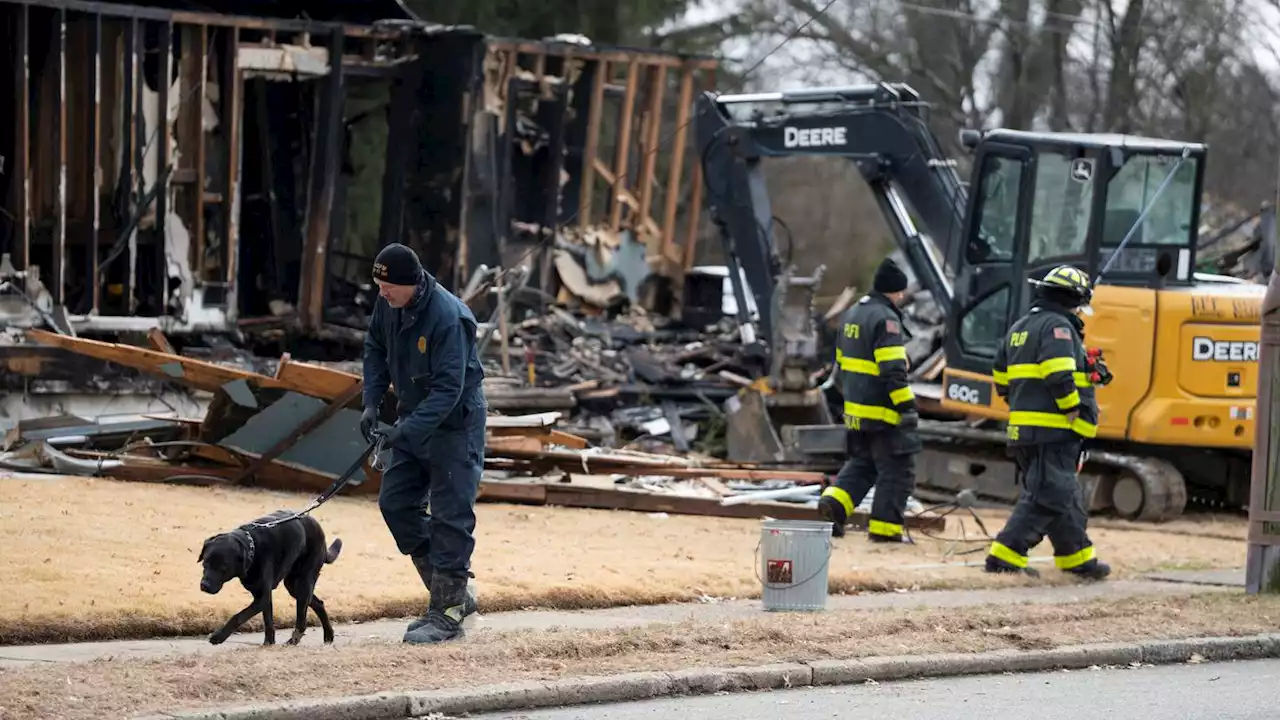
<point>1142,488</point>
<point>1148,489</point>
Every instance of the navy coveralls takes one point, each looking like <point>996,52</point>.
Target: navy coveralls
<point>427,350</point>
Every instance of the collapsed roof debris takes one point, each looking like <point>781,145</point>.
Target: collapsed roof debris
<point>141,191</point>
<point>297,429</point>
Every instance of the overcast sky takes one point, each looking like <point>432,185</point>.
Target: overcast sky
<point>787,68</point>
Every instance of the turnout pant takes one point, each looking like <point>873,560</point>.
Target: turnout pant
<point>885,460</point>
<point>428,496</point>
<point>1050,503</point>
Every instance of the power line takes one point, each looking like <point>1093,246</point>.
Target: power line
<point>995,20</point>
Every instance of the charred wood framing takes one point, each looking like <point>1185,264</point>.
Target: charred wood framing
<point>324,176</point>
<point>196,171</point>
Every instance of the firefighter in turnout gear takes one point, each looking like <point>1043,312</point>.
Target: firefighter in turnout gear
<point>1041,370</point>
<point>879,411</point>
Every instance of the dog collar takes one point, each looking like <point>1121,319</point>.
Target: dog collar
<point>248,561</point>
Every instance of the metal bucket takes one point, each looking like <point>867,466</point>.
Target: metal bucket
<point>791,563</point>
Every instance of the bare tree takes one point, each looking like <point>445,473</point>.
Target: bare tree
<point>1182,69</point>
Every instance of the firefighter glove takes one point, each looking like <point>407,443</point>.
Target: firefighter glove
<point>368,421</point>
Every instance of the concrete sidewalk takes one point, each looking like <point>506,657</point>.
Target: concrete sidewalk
<point>622,617</point>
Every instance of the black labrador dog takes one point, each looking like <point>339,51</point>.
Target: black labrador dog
<point>292,551</point>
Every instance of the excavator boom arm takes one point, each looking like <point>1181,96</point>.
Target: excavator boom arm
<point>880,128</point>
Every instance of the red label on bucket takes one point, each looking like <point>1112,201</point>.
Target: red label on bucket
<point>779,571</point>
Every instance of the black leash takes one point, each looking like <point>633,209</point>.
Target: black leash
<point>322,498</point>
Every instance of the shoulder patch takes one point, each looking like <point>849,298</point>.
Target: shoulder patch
<point>891,327</point>
<point>422,344</point>
<point>1062,333</point>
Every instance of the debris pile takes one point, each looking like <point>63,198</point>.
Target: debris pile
<point>632,378</point>
<point>298,429</point>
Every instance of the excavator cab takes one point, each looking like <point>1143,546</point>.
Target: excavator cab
<point>1037,200</point>
<point>1177,422</point>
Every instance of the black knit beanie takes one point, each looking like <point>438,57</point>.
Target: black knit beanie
<point>398,265</point>
<point>890,278</point>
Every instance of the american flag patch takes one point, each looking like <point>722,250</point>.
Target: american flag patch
<point>1062,333</point>
<point>891,326</point>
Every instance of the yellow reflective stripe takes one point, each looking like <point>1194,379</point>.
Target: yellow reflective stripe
<point>1076,559</point>
<point>887,529</point>
<point>1039,419</point>
<point>886,354</point>
<point>841,496</point>
<point>1081,380</point>
<point>1084,429</point>
<point>858,365</point>
<point>1001,377</point>
<point>1025,371</point>
<point>1052,420</point>
<point>1002,552</point>
<point>1039,371</point>
<point>901,395</point>
<point>871,412</point>
<point>1068,401</point>
<point>1058,364</point>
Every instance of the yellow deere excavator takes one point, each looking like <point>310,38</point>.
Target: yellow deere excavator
<point>1183,346</point>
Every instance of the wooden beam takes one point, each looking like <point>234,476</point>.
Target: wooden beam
<point>624,146</point>
<point>513,492</point>
<point>313,380</point>
<point>138,125</point>
<point>622,195</point>
<point>159,342</point>
<point>232,92</point>
<point>59,285</point>
<point>190,129</point>
<point>676,171</point>
<point>322,381</point>
<point>194,373</point>
<point>94,183</point>
<point>325,167</point>
<point>800,477</point>
<point>275,476</point>
<point>161,135</point>
<point>587,183</point>
<point>559,437</point>
<point>695,199</point>
<point>22,143</point>
<point>649,143</point>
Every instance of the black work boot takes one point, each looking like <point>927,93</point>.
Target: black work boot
<point>891,539</point>
<point>426,571</point>
<point>445,613</point>
<point>831,510</point>
<point>996,565</point>
<point>1092,570</point>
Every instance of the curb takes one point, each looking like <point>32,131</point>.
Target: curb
<point>645,685</point>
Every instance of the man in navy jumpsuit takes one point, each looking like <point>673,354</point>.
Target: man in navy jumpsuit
<point>422,341</point>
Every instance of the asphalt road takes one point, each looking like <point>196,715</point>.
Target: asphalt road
<point>1214,691</point>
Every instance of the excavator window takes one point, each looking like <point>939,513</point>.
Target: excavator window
<point>1166,237</point>
<point>1061,209</point>
<point>984,325</point>
<point>998,222</point>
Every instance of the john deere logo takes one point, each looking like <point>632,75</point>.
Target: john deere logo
<point>1082,169</point>
<point>422,344</point>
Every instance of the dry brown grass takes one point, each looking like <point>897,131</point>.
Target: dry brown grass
<point>96,559</point>
<point>116,688</point>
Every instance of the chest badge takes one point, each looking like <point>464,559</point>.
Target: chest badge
<point>422,345</point>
